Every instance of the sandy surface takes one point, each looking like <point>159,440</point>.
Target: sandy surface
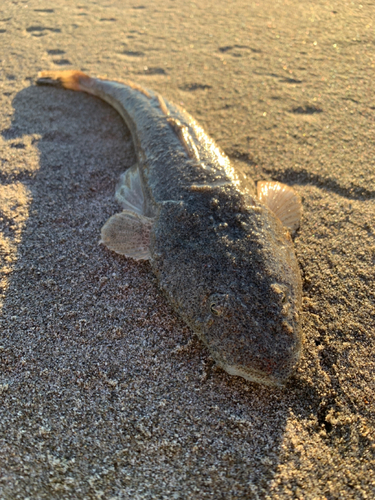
<point>104,392</point>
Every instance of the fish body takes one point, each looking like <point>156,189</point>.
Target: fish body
<point>223,258</point>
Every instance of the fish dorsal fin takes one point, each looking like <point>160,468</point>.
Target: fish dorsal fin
<point>128,233</point>
<point>129,192</point>
<point>283,201</point>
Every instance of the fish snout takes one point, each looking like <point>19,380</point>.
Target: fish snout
<point>251,341</point>
<point>269,367</point>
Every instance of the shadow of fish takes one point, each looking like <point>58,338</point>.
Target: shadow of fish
<point>223,256</point>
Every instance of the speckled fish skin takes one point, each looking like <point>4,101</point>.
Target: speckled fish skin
<point>224,261</point>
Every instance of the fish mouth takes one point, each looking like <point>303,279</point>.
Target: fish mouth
<point>258,376</point>
<point>272,370</point>
<point>263,353</point>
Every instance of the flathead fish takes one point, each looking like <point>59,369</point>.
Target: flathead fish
<point>223,255</point>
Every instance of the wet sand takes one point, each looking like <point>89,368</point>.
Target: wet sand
<point>105,393</point>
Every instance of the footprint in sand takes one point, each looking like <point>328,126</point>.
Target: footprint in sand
<point>55,52</point>
<point>306,110</point>
<point>41,30</point>
<point>132,53</point>
<point>61,62</point>
<point>45,11</point>
<point>58,52</point>
<point>238,50</point>
<point>191,87</point>
<point>147,70</point>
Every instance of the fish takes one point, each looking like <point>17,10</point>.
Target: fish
<point>222,253</point>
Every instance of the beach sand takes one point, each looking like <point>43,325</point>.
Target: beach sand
<point>105,393</point>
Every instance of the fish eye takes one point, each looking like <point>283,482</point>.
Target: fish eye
<point>215,309</point>
<point>218,304</point>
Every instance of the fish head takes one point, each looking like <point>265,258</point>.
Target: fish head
<point>232,275</point>
<point>254,332</point>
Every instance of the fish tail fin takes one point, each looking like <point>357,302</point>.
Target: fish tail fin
<point>70,79</point>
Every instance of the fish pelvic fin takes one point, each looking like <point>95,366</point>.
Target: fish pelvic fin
<point>128,233</point>
<point>69,79</point>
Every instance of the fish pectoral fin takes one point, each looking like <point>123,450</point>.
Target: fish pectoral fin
<point>129,192</point>
<point>284,202</point>
<point>128,233</point>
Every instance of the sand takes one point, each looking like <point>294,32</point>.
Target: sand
<point>105,393</point>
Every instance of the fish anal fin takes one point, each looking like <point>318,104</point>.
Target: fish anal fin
<point>128,233</point>
<point>284,202</point>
